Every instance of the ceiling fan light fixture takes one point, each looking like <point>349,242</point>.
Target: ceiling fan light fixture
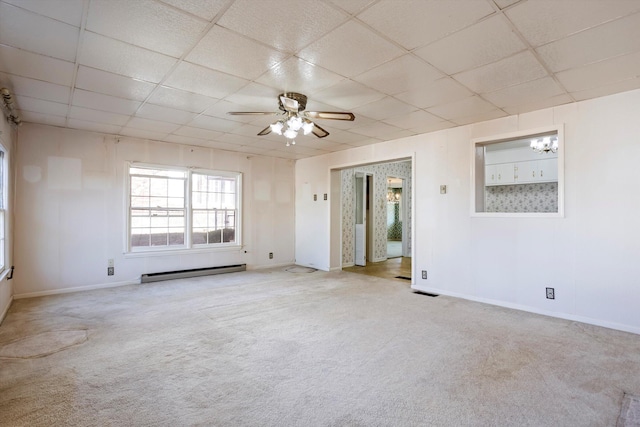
<point>290,133</point>
<point>545,145</point>
<point>294,122</point>
<point>307,127</point>
<point>277,127</point>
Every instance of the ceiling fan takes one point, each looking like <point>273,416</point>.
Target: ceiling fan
<point>294,119</point>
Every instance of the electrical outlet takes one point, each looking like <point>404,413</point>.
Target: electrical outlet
<point>551,293</point>
<point>424,274</point>
<point>270,255</point>
<point>325,196</point>
<point>443,189</point>
<point>110,271</point>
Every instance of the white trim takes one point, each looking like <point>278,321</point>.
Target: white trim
<point>347,265</point>
<point>6,309</point>
<point>575,318</point>
<point>265,266</point>
<point>182,250</point>
<point>76,289</point>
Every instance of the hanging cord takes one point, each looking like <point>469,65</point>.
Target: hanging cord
<point>9,105</point>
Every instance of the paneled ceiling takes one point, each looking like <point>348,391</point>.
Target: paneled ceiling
<point>170,70</point>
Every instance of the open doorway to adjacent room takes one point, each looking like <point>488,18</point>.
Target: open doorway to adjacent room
<point>376,219</point>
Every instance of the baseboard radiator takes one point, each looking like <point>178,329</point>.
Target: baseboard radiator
<point>196,272</point>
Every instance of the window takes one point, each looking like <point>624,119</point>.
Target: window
<point>519,174</point>
<point>176,208</point>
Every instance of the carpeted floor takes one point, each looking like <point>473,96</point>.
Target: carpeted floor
<point>276,348</point>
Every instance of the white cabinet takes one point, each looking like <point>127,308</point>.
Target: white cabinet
<point>545,170</point>
<point>505,174</point>
<point>490,175</point>
<point>548,170</point>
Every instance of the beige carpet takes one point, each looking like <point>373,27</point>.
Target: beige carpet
<point>276,348</point>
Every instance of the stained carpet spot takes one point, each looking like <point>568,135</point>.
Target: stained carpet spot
<point>43,344</point>
<point>630,412</point>
<point>298,269</point>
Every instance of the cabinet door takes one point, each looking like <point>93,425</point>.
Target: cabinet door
<point>547,170</point>
<point>526,172</point>
<point>490,174</point>
<point>505,173</point>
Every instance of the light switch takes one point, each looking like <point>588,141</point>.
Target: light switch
<point>443,189</point>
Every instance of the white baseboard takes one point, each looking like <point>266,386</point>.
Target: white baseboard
<point>565,316</point>
<point>6,309</point>
<point>348,264</point>
<point>75,289</point>
<point>264,266</point>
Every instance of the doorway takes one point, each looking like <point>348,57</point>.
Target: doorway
<point>364,218</point>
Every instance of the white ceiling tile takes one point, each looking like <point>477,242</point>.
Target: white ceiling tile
<point>98,116</point>
<point>482,43</point>
<point>515,70</point>
<point>350,50</point>
<point>219,145</point>
<point>502,4</point>
<point>417,121</point>
<point>112,84</point>
<point>480,117</point>
<point>94,126</point>
<point>250,149</point>
<point>248,130</point>
<point>121,58</point>
<point>347,137</point>
<point>180,99</point>
<point>467,107</point>
<point>527,93</point>
<point>152,125</point>
<point>539,104</point>
<point>256,97</point>
<point>145,23</point>
<point>234,54</point>
<point>385,108</point>
<point>206,9</point>
<point>194,78</point>
<point>231,138</point>
<point>348,94</point>
<point>99,101</point>
<point>198,133</point>
<point>32,65</point>
<point>34,105</point>
<point>45,119</point>
<point>27,30</point>
<point>68,11</point>
<point>402,74</point>
<point>264,21</point>
<point>417,23</point>
<point>438,92</point>
<point>165,114</point>
<point>215,123</point>
<point>606,41</point>
<point>143,133</point>
<point>601,73</point>
<point>382,130</point>
<point>297,75</point>
<point>35,88</point>
<point>352,6</point>
<point>621,86</point>
<point>541,22</point>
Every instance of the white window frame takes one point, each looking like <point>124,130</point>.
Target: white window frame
<point>188,245</point>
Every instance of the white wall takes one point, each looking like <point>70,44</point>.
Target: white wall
<point>70,222</point>
<point>7,138</point>
<point>590,256</point>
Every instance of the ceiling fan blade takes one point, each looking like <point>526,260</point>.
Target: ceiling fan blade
<point>265,131</point>
<point>251,113</point>
<point>319,132</point>
<point>330,115</point>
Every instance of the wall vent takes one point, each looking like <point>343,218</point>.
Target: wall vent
<point>196,272</point>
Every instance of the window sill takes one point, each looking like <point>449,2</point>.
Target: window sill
<point>181,251</point>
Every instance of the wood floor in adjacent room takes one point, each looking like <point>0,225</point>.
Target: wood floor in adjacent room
<point>389,269</point>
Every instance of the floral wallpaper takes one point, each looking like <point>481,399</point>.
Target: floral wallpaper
<point>380,173</point>
<point>541,197</point>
